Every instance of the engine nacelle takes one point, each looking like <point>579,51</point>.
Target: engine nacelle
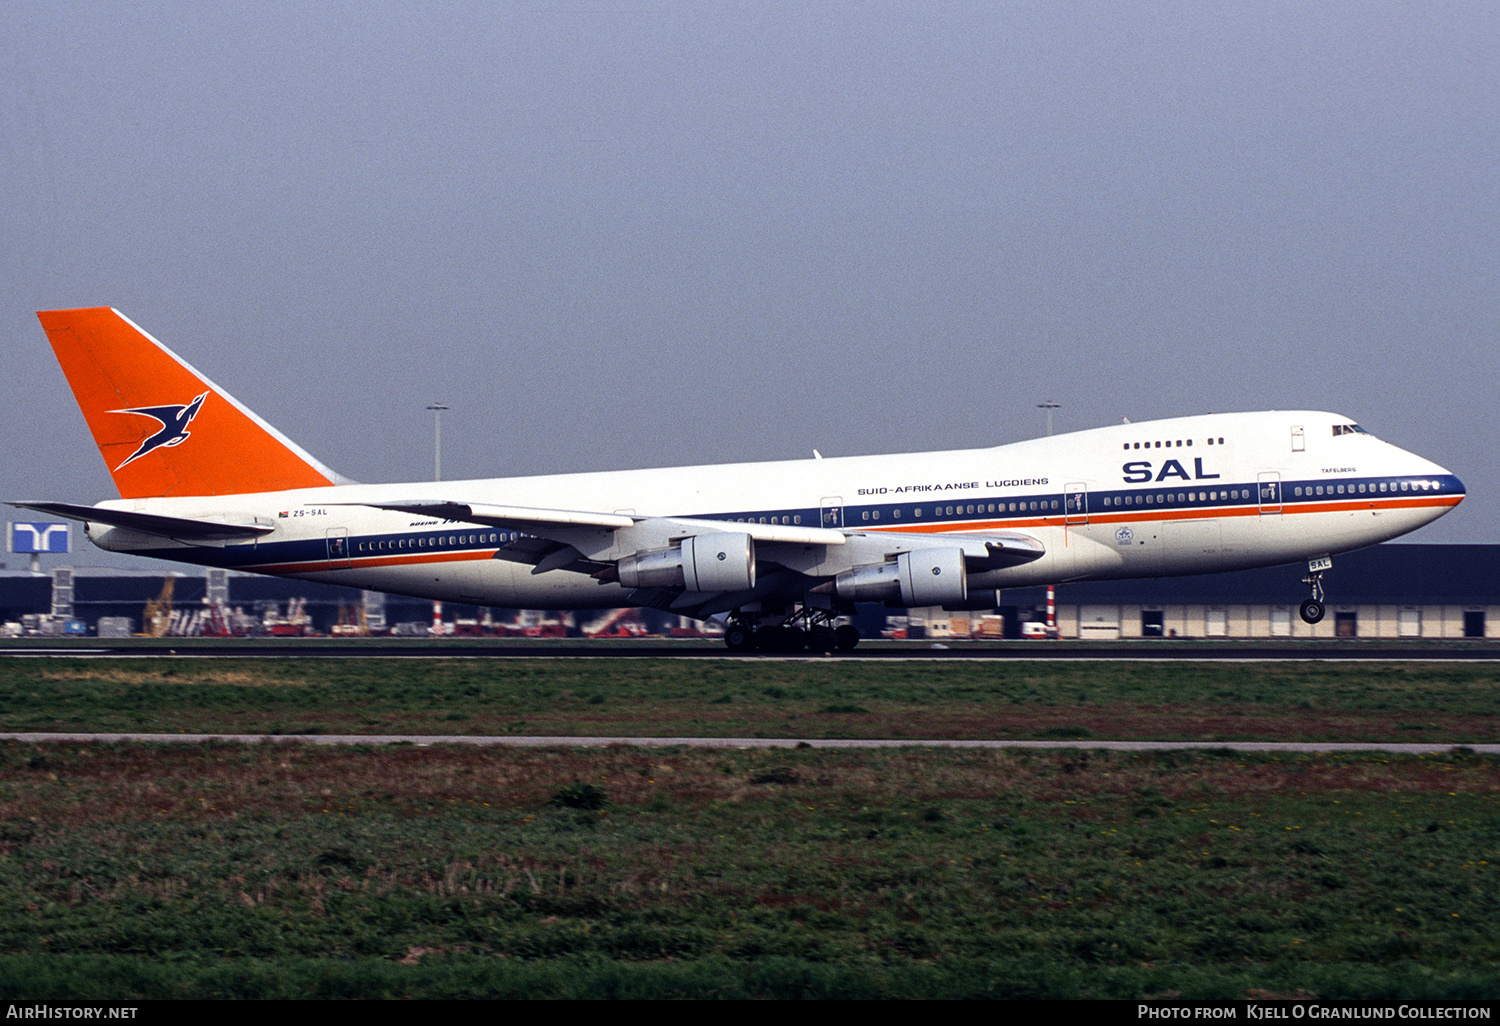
<point>979,600</point>
<point>876,583</point>
<point>702,563</point>
<point>927,577</point>
<point>718,562</point>
<point>933,577</point>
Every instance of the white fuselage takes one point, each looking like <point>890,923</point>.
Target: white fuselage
<point>1189,495</point>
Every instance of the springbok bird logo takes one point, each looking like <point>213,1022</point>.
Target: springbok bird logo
<point>174,422</point>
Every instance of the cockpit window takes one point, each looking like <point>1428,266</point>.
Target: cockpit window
<point>1348,429</point>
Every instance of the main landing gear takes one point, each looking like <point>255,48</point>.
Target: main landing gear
<point>1313,609</point>
<point>815,633</point>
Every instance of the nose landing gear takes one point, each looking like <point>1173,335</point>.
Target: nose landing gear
<point>1313,609</point>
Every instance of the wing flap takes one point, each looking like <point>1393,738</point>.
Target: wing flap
<point>789,533</point>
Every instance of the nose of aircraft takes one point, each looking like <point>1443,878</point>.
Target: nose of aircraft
<point>1450,488</point>
<point>1439,479</point>
<point>1448,483</point>
<point>1444,480</point>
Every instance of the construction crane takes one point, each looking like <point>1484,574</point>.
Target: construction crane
<point>156,618</point>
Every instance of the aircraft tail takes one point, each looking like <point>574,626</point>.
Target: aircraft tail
<point>162,427</point>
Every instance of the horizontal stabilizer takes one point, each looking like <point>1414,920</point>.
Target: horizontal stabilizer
<point>152,523</point>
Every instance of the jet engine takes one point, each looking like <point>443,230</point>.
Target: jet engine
<point>927,577</point>
<point>702,563</point>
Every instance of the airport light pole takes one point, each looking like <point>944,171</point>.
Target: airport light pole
<point>1049,406</point>
<point>437,475</point>
<point>437,440</point>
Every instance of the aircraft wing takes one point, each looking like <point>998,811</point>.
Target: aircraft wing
<point>594,542</point>
<point>182,528</point>
<point>605,537</point>
<point>702,566</point>
<point>519,518</point>
<point>547,522</point>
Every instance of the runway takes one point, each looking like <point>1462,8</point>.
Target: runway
<point>1288,747</point>
<point>1023,651</point>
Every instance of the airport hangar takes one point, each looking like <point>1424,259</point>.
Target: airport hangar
<point>1389,591</point>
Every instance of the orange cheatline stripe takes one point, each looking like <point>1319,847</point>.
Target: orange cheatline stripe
<point>366,562</point>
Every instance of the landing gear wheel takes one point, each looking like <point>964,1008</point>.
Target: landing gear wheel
<point>780,639</point>
<point>822,639</point>
<point>847,637</point>
<point>739,638</point>
<point>1312,609</point>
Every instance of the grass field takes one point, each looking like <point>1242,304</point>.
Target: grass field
<point>1450,703</point>
<point>290,870</point>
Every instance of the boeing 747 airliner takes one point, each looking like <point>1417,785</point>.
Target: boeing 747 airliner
<point>780,550</point>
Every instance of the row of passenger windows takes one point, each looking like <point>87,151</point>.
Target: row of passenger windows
<point>1151,498</point>
<point>1362,489</point>
<point>438,541</point>
<point>1169,444</point>
<point>1036,505</point>
<point>1033,506</point>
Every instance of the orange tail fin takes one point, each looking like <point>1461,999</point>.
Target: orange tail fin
<point>163,428</point>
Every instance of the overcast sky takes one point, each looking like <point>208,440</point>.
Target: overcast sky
<point>631,234</point>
